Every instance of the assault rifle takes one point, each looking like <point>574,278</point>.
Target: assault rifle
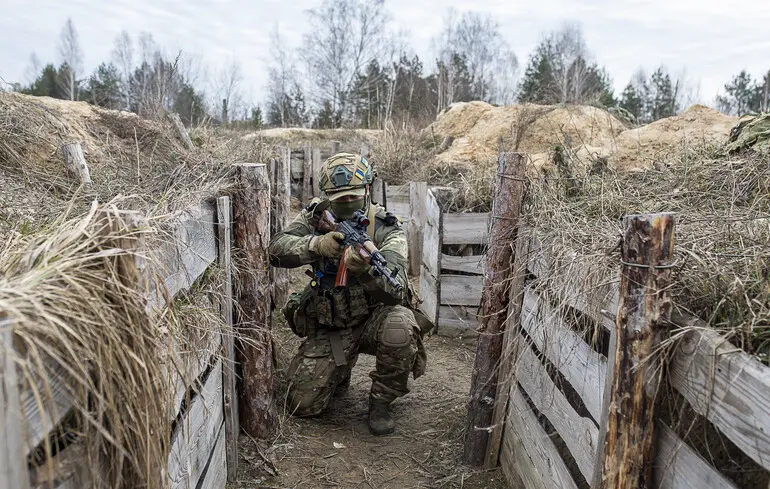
<point>354,230</point>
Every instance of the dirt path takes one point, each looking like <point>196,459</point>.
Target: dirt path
<point>337,450</point>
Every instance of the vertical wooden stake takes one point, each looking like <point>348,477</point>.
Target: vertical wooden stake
<point>643,313</point>
<point>307,174</point>
<point>251,208</point>
<point>13,463</point>
<point>506,209</point>
<point>232,428</point>
<point>279,220</point>
<point>505,377</point>
<point>181,131</point>
<point>75,161</point>
<point>317,164</point>
<point>365,150</point>
<point>418,194</point>
<point>335,147</point>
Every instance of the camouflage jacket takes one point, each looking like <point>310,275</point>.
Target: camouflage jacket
<point>289,248</point>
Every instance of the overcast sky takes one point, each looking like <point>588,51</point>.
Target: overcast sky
<point>710,39</point>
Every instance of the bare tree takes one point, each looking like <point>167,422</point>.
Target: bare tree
<point>227,89</point>
<point>72,57</point>
<point>344,36</point>
<point>33,69</point>
<point>123,57</point>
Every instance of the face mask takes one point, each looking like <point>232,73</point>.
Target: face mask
<point>345,210</point>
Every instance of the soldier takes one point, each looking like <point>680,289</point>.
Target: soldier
<point>368,316</point>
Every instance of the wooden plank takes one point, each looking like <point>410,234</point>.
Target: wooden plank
<point>190,251</point>
<point>58,403</point>
<point>468,228</point>
<point>307,173</point>
<point>216,472</point>
<point>316,169</point>
<point>68,469</point>
<point>398,193</point>
<point>517,465</point>
<point>13,466</point>
<point>232,427</point>
<point>727,386</point>
<point>196,434</point>
<point>456,321</point>
<point>418,194</point>
<point>537,445</point>
<point>580,434</point>
<point>596,481</point>
<point>677,466</point>
<point>460,290</point>
<point>583,368</point>
<point>430,288</point>
<point>297,168</point>
<point>401,209</point>
<point>475,264</point>
<point>188,366</point>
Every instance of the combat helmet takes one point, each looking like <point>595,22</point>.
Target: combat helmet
<point>345,174</point>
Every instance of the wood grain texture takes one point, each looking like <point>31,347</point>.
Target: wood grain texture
<point>643,315</point>
<point>517,464</point>
<point>727,386</point>
<point>456,320</point>
<point>75,162</point>
<point>307,174</point>
<point>475,264</point>
<point>229,383</point>
<point>430,288</point>
<point>279,219</point>
<point>13,466</point>
<point>251,207</point>
<point>181,131</point>
<point>506,209</point>
<point>418,208</point>
<point>39,422</point>
<point>596,481</point>
<point>538,449</point>
<point>579,434</point>
<point>316,170</point>
<point>677,466</point>
<point>461,290</point>
<point>467,228</point>
<point>583,368</point>
<point>216,472</point>
<point>196,434</point>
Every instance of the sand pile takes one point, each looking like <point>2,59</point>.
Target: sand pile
<point>590,134</point>
<point>663,140</point>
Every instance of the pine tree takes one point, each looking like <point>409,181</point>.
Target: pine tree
<point>633,101</point>
<point>103,87</point>
<point>538,77</point>
<point>256,118</point>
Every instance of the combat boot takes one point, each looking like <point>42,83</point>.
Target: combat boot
<point>380,420</point>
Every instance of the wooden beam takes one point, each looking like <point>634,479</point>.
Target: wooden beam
<point>75,162</point>
<point>506,379</point>
<point>216,473</point>
<point>181,131</point>
<point>307,173</point>
<point>335,147</point>
<point>316,169</point>
<point>461,290</point>
<point>13,462</point>
<point>506,205</point>
<point>475,264</point>
<point>251,207</point>
<point>609,378</point>
<point>467,228</point>
<point>643,314</point>
<point>279,219</point>
<point>418,193</point>
<point>229,388</point>
<point>430,287</point>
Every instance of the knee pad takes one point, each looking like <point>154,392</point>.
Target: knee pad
<point>397,329</point>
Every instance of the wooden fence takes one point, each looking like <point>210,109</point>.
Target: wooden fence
<point>204,401</point>
<point>306,161</point>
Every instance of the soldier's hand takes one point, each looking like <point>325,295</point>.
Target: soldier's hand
<point>328,244</point>
<point>356,265</point>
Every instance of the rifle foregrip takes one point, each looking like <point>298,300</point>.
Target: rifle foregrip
<point>342,272</point>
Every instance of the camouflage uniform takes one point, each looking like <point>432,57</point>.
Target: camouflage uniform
<point>368,316</point>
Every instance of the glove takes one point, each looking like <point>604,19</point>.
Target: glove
<point>356,265</point>
<point>328,244</point>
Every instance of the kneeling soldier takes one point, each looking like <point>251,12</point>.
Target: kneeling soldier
<point>368,315</point>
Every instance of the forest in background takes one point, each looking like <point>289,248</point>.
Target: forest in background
<point>353,69</point>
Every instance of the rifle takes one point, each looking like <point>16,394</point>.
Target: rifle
<point>354,230</point>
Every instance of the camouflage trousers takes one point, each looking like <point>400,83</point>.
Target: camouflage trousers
<point>390,334</point>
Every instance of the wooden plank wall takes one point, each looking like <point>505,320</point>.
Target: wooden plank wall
<point>431,259</point>
<point>308,158</point>
<point>197,400</point>
<point>724,384</point>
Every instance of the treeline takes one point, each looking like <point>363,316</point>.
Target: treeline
<point>353,69</point>
<point>141,78</point>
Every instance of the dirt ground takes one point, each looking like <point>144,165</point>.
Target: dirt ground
<point>337,450</point>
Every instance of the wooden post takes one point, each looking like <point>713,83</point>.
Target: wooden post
<point>307,173</point>
<point>608,381</point>
<point>13,463</point>
<point>418,193</point>
<point>644,310</point>
<point>232,428</point>
<point>251,209</point>
<point>506,208</point>
<point>75,161</point>
<point>317,164</point>
<point>505,377</point>
<point>279,220</point>
<point>365,150</point>
<point>378,191</point>
<point>181,131</point>
<point>335,147</point>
